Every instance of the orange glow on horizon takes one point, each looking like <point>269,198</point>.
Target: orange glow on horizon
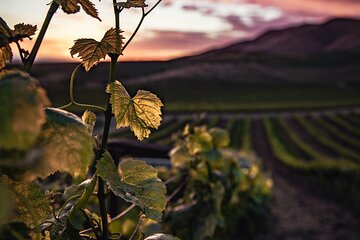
<point>167,35</point>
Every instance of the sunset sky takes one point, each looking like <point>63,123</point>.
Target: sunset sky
<point>177,27</point>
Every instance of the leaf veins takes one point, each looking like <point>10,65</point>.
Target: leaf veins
<point>92,51</point>
<point>140,113</point>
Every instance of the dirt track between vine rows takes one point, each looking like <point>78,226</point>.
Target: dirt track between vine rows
<point>299,213</point>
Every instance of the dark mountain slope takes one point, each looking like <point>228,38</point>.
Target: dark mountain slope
<point>328,53</point>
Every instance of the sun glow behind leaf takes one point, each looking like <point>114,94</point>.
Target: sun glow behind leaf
<point>140,113</point>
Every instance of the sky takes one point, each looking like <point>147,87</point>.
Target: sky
<point>176,27</point>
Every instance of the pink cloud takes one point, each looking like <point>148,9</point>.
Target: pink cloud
<point>171,44</point>
<point>341,8</point>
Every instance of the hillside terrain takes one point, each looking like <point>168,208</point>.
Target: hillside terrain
<point>327,53</point>
<point>299,67</point>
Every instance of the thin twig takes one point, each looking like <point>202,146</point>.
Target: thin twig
<point>176,191</point>
<point>170,180</point>
<point>117,217</point>
<point>144,14</point>
<point>71,93</point>
<point>20,52</point>
<point>93,227</point>
<point>136,228</point>
<point>123,213</point>
<point>153,7</point>
<point>66,106</point>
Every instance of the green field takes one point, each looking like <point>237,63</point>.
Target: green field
<point>321,149</point>
<point>212,96</point>
<point>195,97</point>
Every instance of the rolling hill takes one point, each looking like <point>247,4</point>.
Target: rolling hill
<point>325,53</point>
<point>309,66</point>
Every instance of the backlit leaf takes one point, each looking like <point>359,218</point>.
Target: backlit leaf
<point>161,236</point>
<point>220,137</point>
<point>30,205</point>
<point>200,141</point>
<point>92,51</point>
<point>141,112</point>
<point>132,4</point>
<point>89,8</point>
<point>180,156</point>
<point>69,6</point>
<point>4,28</point>
<point>22,30</point>
<point>8,36</point>
<point>21,110</point>
<point>89,119</point>
<point>135,182</point>
<point>6,56</point>
<point>86,194</point>
<point>73,6</point>
<point>65,143</point>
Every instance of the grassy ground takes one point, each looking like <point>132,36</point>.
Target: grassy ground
<point>196,96</point>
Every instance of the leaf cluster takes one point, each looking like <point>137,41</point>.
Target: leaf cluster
<point>39,143</point>
<point>224,189</point>
<point>8,35</point>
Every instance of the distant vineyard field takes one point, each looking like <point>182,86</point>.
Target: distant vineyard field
<point>321,148</point>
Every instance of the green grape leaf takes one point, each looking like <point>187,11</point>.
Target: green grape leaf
<point>22,30</point>
<point>64,222</point>
<point>65,143</point>
<point>89,119</point>
<point>6,56</point>
<point>200,141</point>
<point>63,230</point>
<point>21,110</point>
<point>73,6</point>
<point>220,137</point>
<point>141,112</point>
<point>161,236</point>
<point>30,205</point>
<point>92,51</point>
<point>209,217</point>
<point>135,182</point>
<point>132,4</point>
<point>4,29</point>
<point>179,156</point>
<point>85,195</point>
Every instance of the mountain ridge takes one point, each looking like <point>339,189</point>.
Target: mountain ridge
<point>337,34</point>
<point>311,53</point>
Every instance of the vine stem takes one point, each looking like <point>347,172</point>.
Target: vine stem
<point>20,52</point>
<point>30,60</point>
<point>93,228</point>
<point>144,14</point>
<point>136,228</point>
<point>108,117</point>
<point>101,183</point>
<point>117,217</point>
